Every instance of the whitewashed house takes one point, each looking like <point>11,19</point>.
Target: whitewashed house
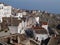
<point>26,24</point>
<point>40,33</point>
<point>20,14</point>
<point>5,11</point>
<point>21,27</point>
<point>45,26</point>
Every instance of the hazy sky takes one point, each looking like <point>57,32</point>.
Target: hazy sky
<point>48,5</point>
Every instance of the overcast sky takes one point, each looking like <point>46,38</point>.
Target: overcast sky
<point>48,5</point>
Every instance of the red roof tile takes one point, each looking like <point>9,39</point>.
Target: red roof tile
<point>37,27</point>
<point>44,23</point>
<point>39,30</point>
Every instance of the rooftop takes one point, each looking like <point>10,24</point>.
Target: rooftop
<point>39,30</point>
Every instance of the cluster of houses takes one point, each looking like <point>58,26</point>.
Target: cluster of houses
<point>15,22</point>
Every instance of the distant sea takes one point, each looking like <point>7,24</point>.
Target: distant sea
<point>52,6</point>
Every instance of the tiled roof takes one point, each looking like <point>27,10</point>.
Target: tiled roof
<point>39,30</point>
<point>44,23</point>
<point>37,27</point>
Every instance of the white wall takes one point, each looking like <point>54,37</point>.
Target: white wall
<point>1,14</point>
<point>37,19</point>
<point>1,6</point>
<point>13,29</point>
<point>1,11</point>
<point>19,15</point>
<point>41,36</point>
<point>24,13</point>
<point>21,27</point>
<point>45,27</point>
<point>7,11</point>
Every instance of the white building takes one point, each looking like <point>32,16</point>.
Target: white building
<point>1,6</point>
<point>21,27</point>
<point>25,25</point>
<point>20,15</point>
<point>40,33</point>
<point>45,26</point>
<point>41,37</point>
<point>24,13</point>
<point>5,11</point>
<point>1,12</point>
